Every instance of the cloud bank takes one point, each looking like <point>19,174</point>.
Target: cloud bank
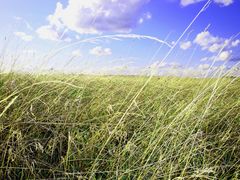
<point>94,17</point>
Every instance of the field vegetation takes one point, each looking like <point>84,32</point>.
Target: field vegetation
<point>119,127</point>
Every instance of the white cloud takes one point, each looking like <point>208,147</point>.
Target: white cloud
<point>100,51</point>
<point>145,16</point>
<point>204,66</point>
<point>202,70</point>
<point>159,66</point>
<point>185,45</point>
<point>188,2</point>
<point>204,59</point>
<point>23,36</point>
<point>215,47</point>
<point>97,16</point>
<point>137,36</point>
<point>235,43</point>
<point>220,2</point>
<point>148,15</point>
<point>224,2</point>
<point>141,20</point>
<point>55,30</point>
<point>223,56</point>
<point>214,44</point>
<point>206,40</point>
<point>55,19</point>
<point>48,32</point>
<point>77,53</point>
<point>175,65</point>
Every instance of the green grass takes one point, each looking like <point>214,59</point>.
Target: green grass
<point>90,127</point>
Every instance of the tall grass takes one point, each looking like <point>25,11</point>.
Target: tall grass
<point>92,127</point>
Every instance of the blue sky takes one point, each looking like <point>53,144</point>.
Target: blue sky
<point>132,34</point>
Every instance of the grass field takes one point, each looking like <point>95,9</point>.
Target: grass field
<point>118,127</point>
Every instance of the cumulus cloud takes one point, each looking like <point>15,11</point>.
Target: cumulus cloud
<point>185,45</point>
<point>220,2</point>
<point>100,51</point>
<point>236,43</point>
<point>55,18</point>
<point>97,16</point>
<point>215,47</point>
<point>207,41</point>
<point>224,2</point>
<point>214,44</point>
<point>24,36</point>
<point>221,48</point>
<point>223,56</point>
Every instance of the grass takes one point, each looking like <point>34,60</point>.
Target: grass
<point>90,127</point>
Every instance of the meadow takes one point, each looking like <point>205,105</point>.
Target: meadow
<point>118,127</point>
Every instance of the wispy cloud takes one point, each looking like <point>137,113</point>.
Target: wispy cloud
<point>220,2</point>
<point>115,37</point>
<point>23,36</point>
<point>188,2</point>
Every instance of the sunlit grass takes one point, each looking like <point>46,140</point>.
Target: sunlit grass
<point>72,126</point>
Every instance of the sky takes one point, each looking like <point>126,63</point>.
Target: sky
<point>173,37</point>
